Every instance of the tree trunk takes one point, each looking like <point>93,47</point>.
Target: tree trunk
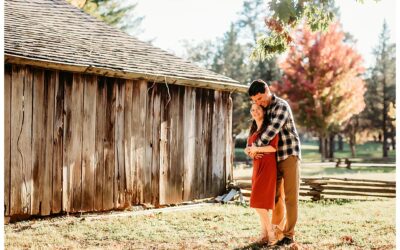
<point>322,145</point>
<point>385,119</point>
<point>352,144</point>
<point>340,142</point>
<point>331,145</point>
<point>326,152</point>
<point>392,136</point>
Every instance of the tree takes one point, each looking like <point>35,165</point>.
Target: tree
<point>381,89</point>
<point>285,16</point>
<point>112,12</point>
<point>322,82</point>
<point>230,56</point>
<point>202,53</point>
<point>229,60</point>
<point>250,28</point>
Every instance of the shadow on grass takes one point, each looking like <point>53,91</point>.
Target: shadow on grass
<point>327,201</point>
<point>254,246</point>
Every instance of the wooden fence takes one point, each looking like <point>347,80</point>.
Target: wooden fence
<point>319,188</point>
<point>330,187</point>
<point>78,142</point>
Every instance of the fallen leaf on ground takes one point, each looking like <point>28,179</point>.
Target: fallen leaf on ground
<point>347,239</point>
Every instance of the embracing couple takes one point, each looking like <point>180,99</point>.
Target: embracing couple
<point>274,146</point>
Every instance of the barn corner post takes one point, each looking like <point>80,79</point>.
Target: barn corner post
<point>229,141</point>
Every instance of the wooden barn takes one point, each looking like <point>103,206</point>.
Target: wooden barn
<point>97,120</point>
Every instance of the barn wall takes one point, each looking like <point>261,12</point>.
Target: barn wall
<point>76,142</point>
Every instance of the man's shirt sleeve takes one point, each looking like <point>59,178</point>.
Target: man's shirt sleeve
<point>279,116</point>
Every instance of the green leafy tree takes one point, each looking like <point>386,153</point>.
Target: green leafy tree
<point>250,26</point>
<point>381,90</point>
<point>229,60</point>
<point>285,16</point>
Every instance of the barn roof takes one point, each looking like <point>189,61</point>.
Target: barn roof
<point>55,34</point>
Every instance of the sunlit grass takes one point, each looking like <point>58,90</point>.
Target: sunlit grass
<point>321,225</point>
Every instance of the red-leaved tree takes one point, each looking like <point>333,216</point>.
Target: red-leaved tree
<point>322,81</point>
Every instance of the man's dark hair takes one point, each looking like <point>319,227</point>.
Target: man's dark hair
<point>257,87</point>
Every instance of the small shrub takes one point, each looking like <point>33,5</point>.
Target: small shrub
<point>240,143</point>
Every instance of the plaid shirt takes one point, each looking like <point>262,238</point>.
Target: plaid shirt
<point>281,122</point>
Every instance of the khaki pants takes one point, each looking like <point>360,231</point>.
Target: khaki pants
<point>288,179</point>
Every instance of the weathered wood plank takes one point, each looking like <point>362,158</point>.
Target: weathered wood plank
<point>174,167</point>
<point>136,116</point>
<point>42,141</point>
<point>362,189</point>
<point>89,142</point>
<point>72,170</point>
<point>223,114</point>
<point>217,135</point>
<point>173,194</point>
<point>139,98</point>
<point>228,138</point>
<point>77,134</point>
<point>155,162</point>
<point>49,97</point>
<point>209,140</point>
<point>119,176</point>
<point>21,141</point>
<point>346,179</point>
<point>109,146</point>
<point>164,180</point>
<point>128,143</point>
<point>199,145</point>
<point>38,145</point>
<point>178,167</point>
<point>164,147</point>
<point>316,193</point>
<point>58,134</point>
<point>189,113</point>
<point>349,183</point>
<point>101,109</point>
<point>66,146</point>
<point>148,143</point>
<point>204,142</point>
<point>7,136</point>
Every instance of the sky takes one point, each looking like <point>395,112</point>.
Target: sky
<point>167,23</point>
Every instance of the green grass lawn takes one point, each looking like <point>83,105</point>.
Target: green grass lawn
<point>338,224</point>
<point>367,152</point>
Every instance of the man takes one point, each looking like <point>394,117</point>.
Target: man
<point>288,154</point>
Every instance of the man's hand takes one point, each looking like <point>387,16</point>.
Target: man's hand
<point>247,151</point>
<point>252,152</point>
<point>258,155</point>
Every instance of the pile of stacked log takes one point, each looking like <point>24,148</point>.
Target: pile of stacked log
<point>326,187</point>
<point>332,187</point>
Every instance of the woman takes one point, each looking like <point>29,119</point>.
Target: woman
<point>264,176</point>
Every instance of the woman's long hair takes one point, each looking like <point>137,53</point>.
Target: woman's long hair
<point>264,125</point>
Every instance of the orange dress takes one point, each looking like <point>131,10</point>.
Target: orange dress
<point>263,182</point>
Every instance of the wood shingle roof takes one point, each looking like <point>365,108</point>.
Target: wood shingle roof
<point>55,34</point>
